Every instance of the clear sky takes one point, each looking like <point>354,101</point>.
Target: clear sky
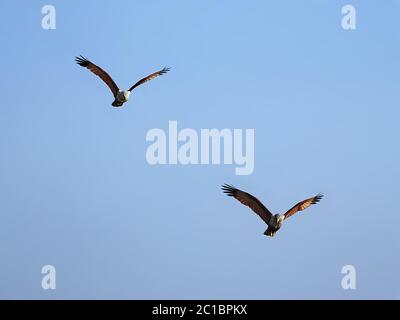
<point>76,189</point>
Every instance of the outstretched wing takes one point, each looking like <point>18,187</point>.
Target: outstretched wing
<point>82,61</point>
<point>303,205</point>
<point>150,77</point>
<point>248,200</point>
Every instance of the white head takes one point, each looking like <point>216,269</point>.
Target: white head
<point>126,94</point>
<point>280,218</point>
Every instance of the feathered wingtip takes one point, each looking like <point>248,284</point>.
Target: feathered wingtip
<point>82,61</point>
<point>165,70</point>
<point>317,198</point>
<point>228,189</point>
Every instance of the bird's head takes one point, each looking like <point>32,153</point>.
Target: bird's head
<point>279,218</point>
<point>126,94</point>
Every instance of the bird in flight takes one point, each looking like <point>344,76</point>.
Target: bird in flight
<point>274,222</point>
<point>120,96</point>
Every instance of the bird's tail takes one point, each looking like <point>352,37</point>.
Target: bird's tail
<point>116,103</point>
<point>269,232</point>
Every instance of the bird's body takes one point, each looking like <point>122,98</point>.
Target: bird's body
<point>274,225</point>
<point>120,96</point>
<point>274,222</point>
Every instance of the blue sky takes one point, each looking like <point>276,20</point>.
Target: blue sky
<point>77,192</point>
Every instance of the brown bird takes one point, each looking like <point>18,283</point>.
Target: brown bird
<point>274,222</point>
<point>120,96</point>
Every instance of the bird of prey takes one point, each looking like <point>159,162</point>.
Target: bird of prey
<point>274,222</point>
<point>120,96</point>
